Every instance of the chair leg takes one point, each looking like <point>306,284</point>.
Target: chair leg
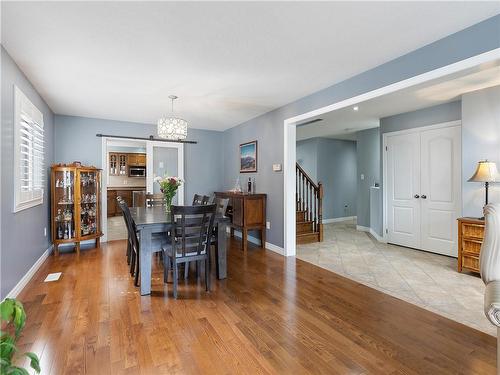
<point>166,267</point>
<point>186,270</point>
<point>128,252</point>
<point>175,278</point>
<point>198,266</point>
<point>207,274</point>
<point>136,279</point>
<point>132,262</point>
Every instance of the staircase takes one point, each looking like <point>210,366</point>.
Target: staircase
<point>309,212</point>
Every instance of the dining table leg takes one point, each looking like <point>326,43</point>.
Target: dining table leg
<point>221,251</point>
<point>145,260</point>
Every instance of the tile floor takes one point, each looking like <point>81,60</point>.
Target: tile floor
<point>117,229</point>
<point>424,279</point>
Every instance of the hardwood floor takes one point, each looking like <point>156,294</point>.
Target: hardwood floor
<point>271,316</point>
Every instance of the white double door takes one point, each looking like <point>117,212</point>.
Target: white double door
<point>424,188</point>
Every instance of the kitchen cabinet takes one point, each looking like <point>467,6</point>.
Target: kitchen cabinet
<point>126,194</point>
<point>137,159</point>
<point>118,164</point>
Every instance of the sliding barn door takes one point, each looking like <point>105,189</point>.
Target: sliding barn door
<point>440,189</point>
<point>403,186</point>
<point>165,159</point>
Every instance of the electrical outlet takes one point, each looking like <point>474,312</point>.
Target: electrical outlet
<point>362,176</point>
<point>268,224</point>
<point>45,232</point>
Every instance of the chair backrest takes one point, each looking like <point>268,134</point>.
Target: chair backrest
<point>131,229</point>
<point>221,204</point>
<point>199,199</point>
<point>154,200</point>
<point>192,229</point>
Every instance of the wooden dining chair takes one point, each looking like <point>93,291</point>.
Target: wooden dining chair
<point>157,241</point>
<point>153,200</point>
<point>199,199</point>
<point>190,239</point>
<point>119,199</point>
<point>133,243</point>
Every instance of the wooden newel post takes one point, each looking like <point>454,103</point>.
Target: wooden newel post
<point>320,211</point>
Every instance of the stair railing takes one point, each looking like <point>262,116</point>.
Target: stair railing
<point>309,198</point>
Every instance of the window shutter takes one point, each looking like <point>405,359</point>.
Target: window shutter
<point>29,176</point>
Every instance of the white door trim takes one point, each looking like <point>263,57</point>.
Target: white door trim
<point>289,135</point>
<point>448,124</point>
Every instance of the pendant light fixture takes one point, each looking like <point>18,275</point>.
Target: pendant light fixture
<point>171,127</point>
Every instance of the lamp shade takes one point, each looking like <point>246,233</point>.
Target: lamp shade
<point>172,128</point>
<point>486,171</point>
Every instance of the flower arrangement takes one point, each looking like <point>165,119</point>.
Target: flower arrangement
<point>168,187</point>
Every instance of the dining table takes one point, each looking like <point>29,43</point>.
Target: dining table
<point>155,220</point>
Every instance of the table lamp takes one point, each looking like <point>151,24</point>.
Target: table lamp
<point>486,172</point>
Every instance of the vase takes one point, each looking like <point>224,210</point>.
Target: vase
<point>168,203</point>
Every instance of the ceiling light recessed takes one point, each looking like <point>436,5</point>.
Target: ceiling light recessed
<point>355,108</point>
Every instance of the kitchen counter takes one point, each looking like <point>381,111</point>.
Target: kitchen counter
<point>127,187</point>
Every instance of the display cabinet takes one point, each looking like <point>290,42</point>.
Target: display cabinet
<point>76,206</point>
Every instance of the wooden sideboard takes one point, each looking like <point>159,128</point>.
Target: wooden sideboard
<point>247,212</point>
<point>470,239</point>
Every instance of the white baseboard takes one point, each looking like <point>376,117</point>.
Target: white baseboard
<point>371,231</point>
<point>339,219</point>
<point>27,277</point>
<point>256,241</point>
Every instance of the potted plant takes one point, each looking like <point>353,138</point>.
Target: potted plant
<point>13,319</point>
<point>168,187</point>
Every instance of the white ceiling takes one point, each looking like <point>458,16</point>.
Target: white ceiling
<point>345,122</point>
<point>227,61</point>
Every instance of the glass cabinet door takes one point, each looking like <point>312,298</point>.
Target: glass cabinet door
<point>64,201</point>
<point>89,196</point>
<point>113,162</point>
<point>122,159</point>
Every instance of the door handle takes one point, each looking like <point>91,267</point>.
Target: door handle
<point>424,196</point>
<point>416,196</point>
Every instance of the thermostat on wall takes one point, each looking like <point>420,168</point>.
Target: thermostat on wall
<point>276,167</point>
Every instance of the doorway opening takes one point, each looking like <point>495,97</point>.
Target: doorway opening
<point>416,146</point>
<point>129,169</point>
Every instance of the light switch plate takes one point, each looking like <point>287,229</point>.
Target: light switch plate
<point>276,167</point>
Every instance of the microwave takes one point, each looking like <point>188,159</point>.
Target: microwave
<point>137,171</point>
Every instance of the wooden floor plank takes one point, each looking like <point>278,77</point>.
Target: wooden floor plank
<point>272,315</point>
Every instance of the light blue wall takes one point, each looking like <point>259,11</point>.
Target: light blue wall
<point>333,163</point>
<point>268,128</point>
<point>22,233</point>
<point>307,157</point>
<point>480,140</point>
<point>202,162</point>
<point>337,173</point>
<point>368,150</point>
<point>423,117</point>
